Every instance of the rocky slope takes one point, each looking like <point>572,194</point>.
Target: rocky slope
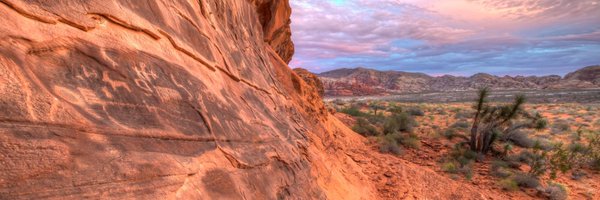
<point>362,81</point>
<point>163,99</point>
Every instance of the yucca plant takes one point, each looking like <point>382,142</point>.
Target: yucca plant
<point>493,121</point>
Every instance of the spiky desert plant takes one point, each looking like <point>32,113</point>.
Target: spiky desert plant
<point>492,121</point>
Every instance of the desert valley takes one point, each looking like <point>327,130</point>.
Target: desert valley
<point>261,99</point>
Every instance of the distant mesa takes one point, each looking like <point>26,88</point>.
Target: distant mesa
<point>363,82</point>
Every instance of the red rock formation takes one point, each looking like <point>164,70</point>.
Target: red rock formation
<point>362,82</point>
<point>274,16</point>
<point>311,79</point>
<point>162,100</point>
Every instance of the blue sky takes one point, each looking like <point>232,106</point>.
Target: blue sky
<point>458,37</point>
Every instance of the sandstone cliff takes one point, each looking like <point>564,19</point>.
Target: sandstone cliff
<point>120,99</point>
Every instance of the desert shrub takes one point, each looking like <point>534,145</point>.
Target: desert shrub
<point>497,164</point>
<point>450,167</point>
<point>411,141</point>
<point>376,119</point>
<point>556,191</point>
<point>416,111</point>
<point>521,139</point>
<point>499,169</point>
<point>406,139</point>
<point>454,168</point>
<point>560,160</point>
<point>450,133</point>
<point>523,156</point>
<point>501,172</point>
<point>540,124</point>
<point>509,184</point>
<point>353,111</point>
<point>389,144</point>
<point>463,115</point>
<point>441,111</point>
<point>365,128</point>
<point>594,150</point>
<point>526,180</point>
<point>560,126</point>
<point>394,109</point>
<point>401,122</point>
<point>460,124</point>
<point>462,156</point>
<point>577,148</point>
<point>538,161</point>
<point>544,144</point>
<point>467,171</point>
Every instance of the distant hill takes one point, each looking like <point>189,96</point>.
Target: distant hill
<point>362,81</point>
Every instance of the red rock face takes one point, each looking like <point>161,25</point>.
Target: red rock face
<point>274,16</point>
<point>162,100</point>
<point>311,79</point>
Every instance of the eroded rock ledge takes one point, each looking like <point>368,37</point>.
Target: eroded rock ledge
<point>162,100</point>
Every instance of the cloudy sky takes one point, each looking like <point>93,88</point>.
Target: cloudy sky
<point>459,37</point>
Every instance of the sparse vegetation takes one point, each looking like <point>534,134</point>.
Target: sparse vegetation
<point>556,191</point>
<point>560,126</point>
<point>526,180</point>
<point>365,128</point>
<point>399,122</point>
<point>509,184</point>
<point>526,149</point>
<point>389,144</point>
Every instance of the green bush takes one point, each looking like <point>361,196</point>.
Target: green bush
<point>376,119</point>
<point>594,150</point>
<point>365,128</point>
<point>399,123</point>
<point>411,141</point>
<point>416,111</point>
<point>499,169</point>
<point>353,111</point>
<point>540,124</point>
<point>450,133</point>
<point>461,125</point>
<point>556,191</point>
<point>450,167</point>
<point>463,115</point>
<point>395,109</point>
<point>560,126</point>
<point>521,139</point>
<point>509,184</point>
<point>526,180</point>
<point>389,144</point>
<point>497,164</point>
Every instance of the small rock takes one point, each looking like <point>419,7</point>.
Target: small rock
<point>390,183</point>
<point>578,175</point>
<point>388,174</point>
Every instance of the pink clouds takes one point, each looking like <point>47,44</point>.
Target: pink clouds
<point>404,34</point>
